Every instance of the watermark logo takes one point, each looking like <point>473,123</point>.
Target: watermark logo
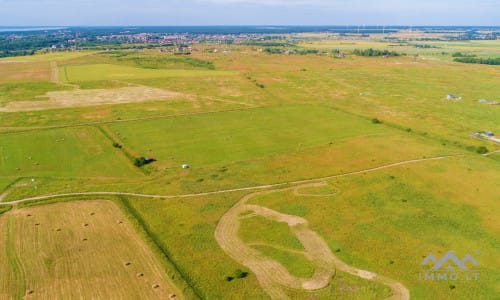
<point>449,267</point>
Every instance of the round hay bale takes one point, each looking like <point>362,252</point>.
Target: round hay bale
<point>92,213</point>
<point>172,296</point>
<point>127,263</point>
<point>37,224</point>
<point>139,275</point>
<point>119,222</point>
<point>28,215</point>
<point>84,239</point>
<point>85,225</point>
<point>29,292</point>
<point>58,229</point>
<point>156,286</point>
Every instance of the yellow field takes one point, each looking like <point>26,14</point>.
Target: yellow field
<point>77,250</point>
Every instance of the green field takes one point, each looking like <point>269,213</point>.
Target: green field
<point>65,153</point>
<point>92,72</point>
<point>237,136</point>
<point>365,152</point>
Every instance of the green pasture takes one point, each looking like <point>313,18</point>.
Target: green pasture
<point>72,152</point>
<point>400,215</point>
<point>262,231</point>
<point>295,263</point>
<point>228,137</point>
<point>185,229</point>
<point>93,72</point>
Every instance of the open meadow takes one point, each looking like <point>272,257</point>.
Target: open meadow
<point>243,173</point>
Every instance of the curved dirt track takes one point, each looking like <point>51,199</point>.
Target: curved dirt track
<point>272,276</point>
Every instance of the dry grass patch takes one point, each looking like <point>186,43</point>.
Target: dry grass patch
<point>83,98</point>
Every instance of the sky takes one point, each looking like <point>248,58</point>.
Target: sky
<point>248,12</point>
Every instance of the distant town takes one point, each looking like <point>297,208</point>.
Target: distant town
<point>28,41</point>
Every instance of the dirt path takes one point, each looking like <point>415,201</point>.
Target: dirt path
<point>490,153</point>
<point>272,276</point>
<point>259,187</point>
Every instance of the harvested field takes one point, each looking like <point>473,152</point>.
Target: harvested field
<point>61,259</point>
<point>82,98</point>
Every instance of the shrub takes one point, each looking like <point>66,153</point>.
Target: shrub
<point>139,161</point>
<point>116,145</point>
<point>240,274</point>
<point>482,150</point>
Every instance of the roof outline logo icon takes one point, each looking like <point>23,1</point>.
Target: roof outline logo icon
<point>449,256</point>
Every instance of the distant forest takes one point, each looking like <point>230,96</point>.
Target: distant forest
<point>476,60</point>
<point>374,52</point>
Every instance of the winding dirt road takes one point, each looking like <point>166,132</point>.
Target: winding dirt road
<point>272,276</point>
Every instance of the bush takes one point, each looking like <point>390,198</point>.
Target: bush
<point>116,145</point>
<point>482,150</point>
<point>139,161</point>
<point>240,274</point>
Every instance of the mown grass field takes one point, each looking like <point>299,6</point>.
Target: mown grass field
<point>247,118</point>
<point>69,250</point>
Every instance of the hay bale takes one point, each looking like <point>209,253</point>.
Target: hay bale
<point>28,215</point>
<point>37,224</point>
<point>119,222</point>
<point>172,296</point>
<point>58,229</point>
<point>127,263</point>
<point>30,292</point>
<point>85,225</point>
<point>139,275</point>
<point>92,213</point>
<point>84,239</point>
<point>156,286</point>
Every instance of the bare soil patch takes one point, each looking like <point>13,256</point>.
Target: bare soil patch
<point>83,98</point>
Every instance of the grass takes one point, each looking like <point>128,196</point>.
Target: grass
<point>56,272</point>
<point>27,91</point>
<point>5,208</point>
<point>296,264</point>
<point>260,230</point>
<point>400,219</point>
<point>185,230</point>
<point>72,152</point>
<point>93,72</point>
<point>236,136</point>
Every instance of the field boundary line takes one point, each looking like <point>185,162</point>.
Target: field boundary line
<point>251,188</point>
